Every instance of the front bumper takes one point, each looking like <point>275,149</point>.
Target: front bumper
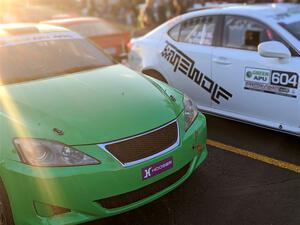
<point>31,190</point>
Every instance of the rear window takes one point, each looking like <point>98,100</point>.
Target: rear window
<point>32,57</point>
<point>95,29</point>
<point>198,30</point>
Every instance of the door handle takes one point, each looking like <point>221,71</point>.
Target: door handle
<point>221,60</point>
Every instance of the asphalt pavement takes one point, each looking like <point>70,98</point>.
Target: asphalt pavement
<point>251,177</point>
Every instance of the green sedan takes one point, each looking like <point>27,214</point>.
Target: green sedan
<point>82,138</point>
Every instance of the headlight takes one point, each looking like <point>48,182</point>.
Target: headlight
<point>190,112</point>
<point>38,152</point>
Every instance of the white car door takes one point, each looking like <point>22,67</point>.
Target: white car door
<point>263,89</point>
<point>186,58</point>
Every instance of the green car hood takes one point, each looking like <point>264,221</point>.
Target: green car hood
<point>89,107</point>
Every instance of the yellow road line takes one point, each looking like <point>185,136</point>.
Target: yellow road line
<point>252,155</point>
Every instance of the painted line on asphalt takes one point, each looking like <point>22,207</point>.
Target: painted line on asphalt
<point>252,155</point>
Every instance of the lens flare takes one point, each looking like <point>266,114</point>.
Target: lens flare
<point>12,119</point>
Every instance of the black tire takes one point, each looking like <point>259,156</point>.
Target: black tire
<point>6,217</point>
<point>155,74</point>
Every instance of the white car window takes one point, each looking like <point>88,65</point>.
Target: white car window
<point>174,32</point>
<point>244,33</point>
<point>198,30</point>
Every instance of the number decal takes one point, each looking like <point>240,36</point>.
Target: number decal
<point>285,79</point>
<point>284,83</point>
<point>275,78</point>
<point>294,80</point>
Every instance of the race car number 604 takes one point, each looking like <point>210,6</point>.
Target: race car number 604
<point>285,79</point>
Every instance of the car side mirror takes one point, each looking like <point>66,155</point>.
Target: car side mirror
<point>274,49</point>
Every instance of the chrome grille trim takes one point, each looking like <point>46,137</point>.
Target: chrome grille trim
<point>176,144</point>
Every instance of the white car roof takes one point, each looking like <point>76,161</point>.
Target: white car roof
<point>271,14</point>
<point>275,12</point>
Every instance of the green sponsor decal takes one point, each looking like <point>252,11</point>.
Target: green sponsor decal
<point>258,75</point>
<point>260,72</point>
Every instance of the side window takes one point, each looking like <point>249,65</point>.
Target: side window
<point>174,32</point>
<point>245,33</point>
<point>198,30</point>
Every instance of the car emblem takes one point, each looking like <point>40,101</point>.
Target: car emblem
<point>58,131</point>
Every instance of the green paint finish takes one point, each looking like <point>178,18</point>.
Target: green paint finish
<point>90,107</point>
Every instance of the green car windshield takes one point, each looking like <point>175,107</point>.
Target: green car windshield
<point>44,59</point>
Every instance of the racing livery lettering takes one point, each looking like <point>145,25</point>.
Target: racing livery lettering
<point>272,81</point>
<point>186,65</point>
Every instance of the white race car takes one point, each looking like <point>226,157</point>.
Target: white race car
<point>240,62</point>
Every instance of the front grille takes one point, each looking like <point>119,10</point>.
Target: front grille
<point>147,191</point>
<point>131,150</point>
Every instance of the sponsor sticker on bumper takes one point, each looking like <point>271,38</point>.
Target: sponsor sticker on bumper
<point>157,168</point>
